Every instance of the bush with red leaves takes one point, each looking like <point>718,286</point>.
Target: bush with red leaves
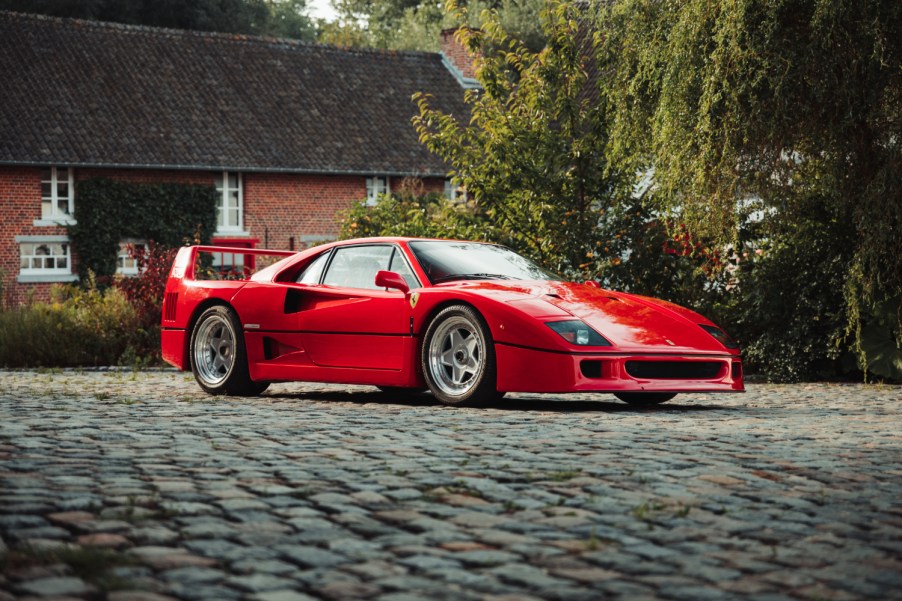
<point>145,293</point>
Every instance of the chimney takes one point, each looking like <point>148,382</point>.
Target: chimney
<point>458,60</point>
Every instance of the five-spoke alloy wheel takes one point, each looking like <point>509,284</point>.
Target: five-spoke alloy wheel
<point>458,357</point>
<point>218,357</point>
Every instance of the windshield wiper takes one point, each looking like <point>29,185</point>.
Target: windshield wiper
<point>472,276</point>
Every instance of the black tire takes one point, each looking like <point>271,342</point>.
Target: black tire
<point>458,358</point>
<point>644,398</point>
<point>218,355</point>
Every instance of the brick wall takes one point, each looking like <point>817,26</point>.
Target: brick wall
<point>20,206</point>
<point>459,56</point>
<point>20,203</point>
<point>277,209</point>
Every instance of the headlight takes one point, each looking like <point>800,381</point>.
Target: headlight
<point>719,335</point>
<point>577,332</point>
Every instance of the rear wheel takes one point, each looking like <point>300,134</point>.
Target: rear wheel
<point>218,356</point>
<point>644,398</point>
<point>458,357</point>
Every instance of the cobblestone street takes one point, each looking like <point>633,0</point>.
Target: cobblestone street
<point>136,486</point>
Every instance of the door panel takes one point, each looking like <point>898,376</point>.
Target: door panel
<point>346,327</point>
<point>359,327</point>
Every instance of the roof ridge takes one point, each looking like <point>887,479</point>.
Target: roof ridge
<point>228,37</point>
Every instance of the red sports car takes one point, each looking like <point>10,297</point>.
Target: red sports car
<point>467,320</point>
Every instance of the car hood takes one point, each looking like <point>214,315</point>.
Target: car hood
<point>631,323</point>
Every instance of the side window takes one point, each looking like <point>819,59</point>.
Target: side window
<point>356,266</point>
<point>314,270</point>
<point>400,266</point>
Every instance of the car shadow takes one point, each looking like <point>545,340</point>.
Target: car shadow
<point>545,403</point>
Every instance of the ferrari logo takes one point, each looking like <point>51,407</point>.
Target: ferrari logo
<point>413,299</point>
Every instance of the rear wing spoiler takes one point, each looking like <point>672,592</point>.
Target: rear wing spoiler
<point>183,267</point>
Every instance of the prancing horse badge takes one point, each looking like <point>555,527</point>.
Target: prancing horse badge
<point>413,299</point>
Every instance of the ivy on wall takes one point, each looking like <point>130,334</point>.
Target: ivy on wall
<point>108,211</point>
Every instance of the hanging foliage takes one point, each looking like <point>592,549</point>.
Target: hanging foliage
<point>749,112</point>
<point>108,211</point>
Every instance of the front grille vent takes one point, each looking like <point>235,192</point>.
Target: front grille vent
<point>591,368</point>
<point>171,301</point>
<point>674,370</point>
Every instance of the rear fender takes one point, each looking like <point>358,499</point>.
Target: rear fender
<point>186,298</point>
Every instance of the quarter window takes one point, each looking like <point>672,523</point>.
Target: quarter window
<point>314,270</point>
<point>230,208</point>
<point>57,194</point>
<point>375,186</point>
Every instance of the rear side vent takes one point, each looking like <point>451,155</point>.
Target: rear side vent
<point>674,370</point>
<point>171,301</point>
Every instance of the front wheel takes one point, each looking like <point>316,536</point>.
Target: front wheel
<point>218,356</point>
<point>644,398</point>
<point>458,357</point>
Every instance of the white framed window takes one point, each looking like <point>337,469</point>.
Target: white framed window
<point>375,186</point>
<point>45,259</point>
<point>230,208</point>
<point>455,193</point>
<point>57,196</point>
<point>126,262</point>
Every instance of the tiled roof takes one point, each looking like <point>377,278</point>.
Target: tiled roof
<point>84,93</point>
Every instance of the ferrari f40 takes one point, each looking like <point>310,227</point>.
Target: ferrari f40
<point>469,321</point>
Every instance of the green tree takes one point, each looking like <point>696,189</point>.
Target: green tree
<point>532,154</point>
<point>409,211</point>
<point>771,104</point>
<point>283,18</point>
<point>416,25</point>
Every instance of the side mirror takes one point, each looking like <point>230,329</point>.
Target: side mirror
<point>390,279</point>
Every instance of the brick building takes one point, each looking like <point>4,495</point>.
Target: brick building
<point>289,133</point>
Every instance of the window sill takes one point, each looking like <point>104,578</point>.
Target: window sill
<point>231,234</point>
<point>47,278</point>
<point>53,222</point>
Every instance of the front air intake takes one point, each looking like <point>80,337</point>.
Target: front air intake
<point>674,370</point>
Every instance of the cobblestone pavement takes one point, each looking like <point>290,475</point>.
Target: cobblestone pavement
<point>138,487</point>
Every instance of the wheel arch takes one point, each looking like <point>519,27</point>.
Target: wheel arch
<point>440,306</point>
<point>192,321</point>
<point>483,382</point>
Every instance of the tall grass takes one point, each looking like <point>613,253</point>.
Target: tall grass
<point>78,327</point>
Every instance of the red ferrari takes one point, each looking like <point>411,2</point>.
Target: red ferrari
<point>469,321</point>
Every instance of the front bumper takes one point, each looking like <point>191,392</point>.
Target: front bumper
<point>532,370</point>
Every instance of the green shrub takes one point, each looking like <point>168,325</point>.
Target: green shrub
<point>417,215</point>
<point>78,327</point>
<point>789,308</point>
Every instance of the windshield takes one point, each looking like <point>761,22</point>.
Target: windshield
<point>445,261</point>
